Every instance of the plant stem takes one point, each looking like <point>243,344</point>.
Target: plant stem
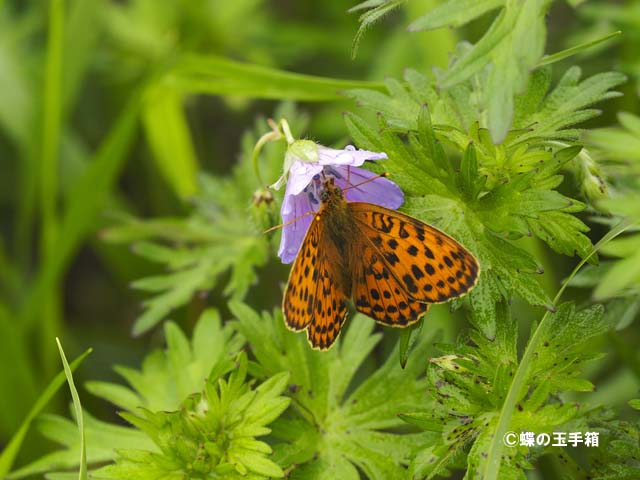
<point>492,465</point>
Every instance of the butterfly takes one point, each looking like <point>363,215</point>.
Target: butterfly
<point>392,265</point>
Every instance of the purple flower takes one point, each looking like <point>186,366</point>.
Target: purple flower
<point>305,163</point>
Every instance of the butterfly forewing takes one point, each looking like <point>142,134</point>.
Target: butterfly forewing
<point>429,265</point>
<point>315,298</point>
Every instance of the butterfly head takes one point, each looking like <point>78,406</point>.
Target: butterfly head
<point>330,191</point>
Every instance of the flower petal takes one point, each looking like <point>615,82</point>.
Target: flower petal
<point>301,195</point>
<point>300,175</point>
<point>293,234</point>
<point>348,156</point>
<point>379,191</point>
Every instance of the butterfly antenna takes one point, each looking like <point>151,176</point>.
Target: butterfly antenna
<point>382,175</point>
<point>310,212</point>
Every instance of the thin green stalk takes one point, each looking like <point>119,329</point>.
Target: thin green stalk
<point>271,136</point>
<point>492,466</point>
<point>51,125</point>
<point>52,119</point>
<point>27,196</point>
<point>556,57</point>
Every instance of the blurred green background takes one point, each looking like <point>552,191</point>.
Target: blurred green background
<point>111,109</point>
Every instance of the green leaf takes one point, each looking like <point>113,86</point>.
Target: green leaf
<point>539,114</point>
<point>13,447</point>
<point>473,388</point>
<point>620,147</point>
<point>337,423</point>
<point>454,13</point>
<point>376,10</point>
<point>102,439</point>
<point>589,322</point>
<point>508,75</point>
<point>169,138</point>
<point>168,377</point>
<point>619,278</point>
<point>213,75</point>
<point>367,4</point>
<point>178,288</point>
<point>566,104</point>
<point>408,338</point>
<point>623,277</point>
<point>616,457</point>
<point>491,64</point>
<point>512,46</point>
<point>213,433</point>
<point>466,388</point>
<point>471,183</point>
<point>494,193</point>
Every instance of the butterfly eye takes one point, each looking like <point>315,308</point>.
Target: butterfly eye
<point>324,196</point>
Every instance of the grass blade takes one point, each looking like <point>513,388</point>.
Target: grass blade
<point>9,453</point>
<point>82,475</point>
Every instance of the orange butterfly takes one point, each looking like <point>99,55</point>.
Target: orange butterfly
<point>392,265</point>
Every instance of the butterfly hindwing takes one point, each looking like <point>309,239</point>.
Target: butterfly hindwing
<point>377,293</point>
<point>315,298</point>
<point>330,309</point>
<point>430,266</point>
<point>299,298</point>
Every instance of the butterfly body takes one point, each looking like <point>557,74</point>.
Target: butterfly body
<point>339,229</point>
<point>392,265</point>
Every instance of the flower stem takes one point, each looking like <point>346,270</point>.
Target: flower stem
<point>274,135</point>
<point>287,131</point>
